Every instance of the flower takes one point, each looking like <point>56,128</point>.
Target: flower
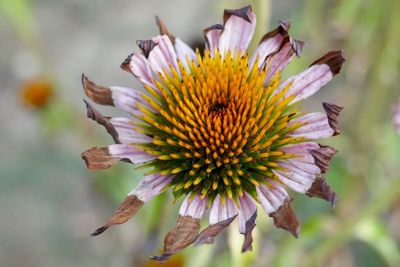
<point>222,130</point>
<point>36,92</point>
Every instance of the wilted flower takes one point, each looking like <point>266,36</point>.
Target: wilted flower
<point>222,130</point>
<point>396,116</point>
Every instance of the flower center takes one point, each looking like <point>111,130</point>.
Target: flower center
<point>216,126</point>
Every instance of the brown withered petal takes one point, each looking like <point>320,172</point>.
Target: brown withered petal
<point>207,236</point>
<point>146,46</point>
<point>99,94</point>
<point>322,190</point>
<point>285,218</point>
<point>125,64</point>
<point>184,234</point>
<point>163,29</point>
<point>126,210</point>
<point>248,238</point>
<point>333,111</point>
<point>98,158</point>
<point>334,59</point>
<point>95,115</point>
<point>322,156</point>
<point>242,13</point>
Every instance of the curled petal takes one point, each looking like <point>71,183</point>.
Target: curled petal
<point>278,61</point>
<point>333,111</point>
<point>322,156</point>
<point>270,43</point>
<point>285,218</point>
<point>221,216</point>
<point>315,126</point>
<point>148,188</point>
<point>272,197</point>
<point>247,217</point>
<point>164,30</point>
<point>99,94</point>
<point>211,35</point>
<point>312,79</point>
<point>322,190</point>
<point>183,235</point>
<point>163,55</point>
<point>93,114</point>
<point>99,158</point>
<point>146,46</point>
<point>138,65</point>
<point>239,27</point>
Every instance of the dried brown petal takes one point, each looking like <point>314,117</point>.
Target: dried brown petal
<point>146,46</point>
<point>333,111</point>
<point>98,158</point>
<point>242,13</point>
<point>99,94</point>
<point>322,190</point>
<point>93,114</point>
<point>207,236</point>
<point>125,64</point>
<point>163,29</point>
<point>184,234</point>
<point>285,218</point>
<point>334,59</point>
<point>126,210</point>
<point>248,238</point>
<point>322,156</point>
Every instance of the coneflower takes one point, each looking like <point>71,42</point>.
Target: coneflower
<point>219,129</point>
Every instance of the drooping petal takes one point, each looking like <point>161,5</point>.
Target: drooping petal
<point>99,158</point>
<point>316,125</point>
<point>312,79</point>
<point>95,115</point>
<point>285,218</point>
<point>272,197</point>
<point>163,55</point>
<point>122,130</point>
<point>322,190</point>
<point>239,27</point>
<point>333,111</point>
<point>221,216</point>
<point>211,35</point>
<point>270,43</point>
<point>186,230</point>
<point>322,156</point>
<point>247,218</point>
<point>148,188</point>
<point>138,66</point>
<point>296,180</point>
<point>124,98</point>
<point>278,61</point>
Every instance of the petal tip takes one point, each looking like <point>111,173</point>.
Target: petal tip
<point>99,231</point>
<point>334,59</point>
<point>241,12</point>
<point>333,111</point>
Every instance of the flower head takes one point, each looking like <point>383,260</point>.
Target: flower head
<point>221,130</point>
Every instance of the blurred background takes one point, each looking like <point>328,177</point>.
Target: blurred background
<point>50,202</point>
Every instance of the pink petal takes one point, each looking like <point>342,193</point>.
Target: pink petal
<point>184,53</point>
<point>127,99</point>
<point>297,182</point>
<point>317,75</point>
<point>151,186</point>
<point>163,55</point>
<point>283,57</point>
<point>131,153</point>
<point>193,206</point>
<point>272,197</point>
<point>138,65</point>
<point>220,212</point>
<point>247,217</point>
<point>316,126</point>
<point>127,131</point>
<point>211,35</point>
<point>270,43</point>
<point>239,27</point>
